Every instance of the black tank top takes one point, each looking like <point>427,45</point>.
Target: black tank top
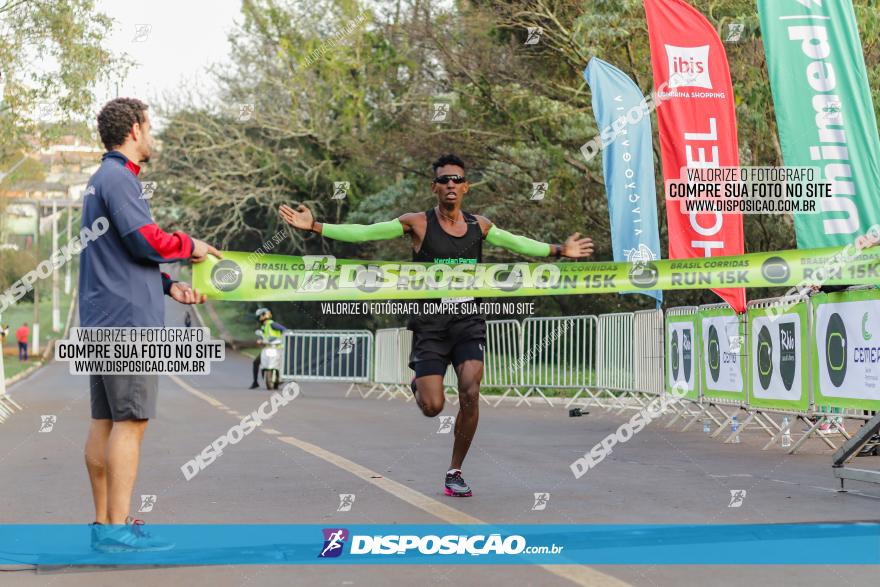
<point>440,247</point>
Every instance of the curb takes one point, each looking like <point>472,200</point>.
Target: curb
<point>30,370</point>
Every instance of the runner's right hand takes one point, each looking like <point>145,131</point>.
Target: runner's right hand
<point>201,250</point>
<point>301,217</point>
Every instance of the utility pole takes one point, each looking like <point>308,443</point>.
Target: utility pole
<point>67,238</point>
<point>36,329</point>
<point>56,310</point>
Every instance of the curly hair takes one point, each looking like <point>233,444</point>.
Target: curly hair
<point>449,159</point>
<point>116,118</point>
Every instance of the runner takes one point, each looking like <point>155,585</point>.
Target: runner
<point>120,285</point>
<point>445,234</point>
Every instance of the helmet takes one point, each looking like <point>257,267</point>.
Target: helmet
<point>262,312</point>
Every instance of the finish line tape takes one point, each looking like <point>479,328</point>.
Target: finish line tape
<point>245,277</point>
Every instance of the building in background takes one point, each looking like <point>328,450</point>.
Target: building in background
<point>65,167</point>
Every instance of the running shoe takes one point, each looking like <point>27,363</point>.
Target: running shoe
<point>456,486</point>
<point>96,530</point>
<point>254,385</point>
<point>130,537</point>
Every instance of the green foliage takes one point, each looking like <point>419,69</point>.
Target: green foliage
<point>65,38</point>
<point>338,101</point>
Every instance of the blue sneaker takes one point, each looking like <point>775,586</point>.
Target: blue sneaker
<point>130,537</point>
<point>96,530</point>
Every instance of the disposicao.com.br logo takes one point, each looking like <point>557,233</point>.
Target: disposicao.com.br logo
<point>334,540</point>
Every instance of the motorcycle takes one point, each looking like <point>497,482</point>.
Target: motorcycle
<point>270,360</point>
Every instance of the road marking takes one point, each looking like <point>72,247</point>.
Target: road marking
<point>578,574</point>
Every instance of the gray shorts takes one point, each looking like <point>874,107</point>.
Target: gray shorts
<point>124,397</point>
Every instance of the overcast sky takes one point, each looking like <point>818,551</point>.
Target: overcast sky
<point>171,42</point>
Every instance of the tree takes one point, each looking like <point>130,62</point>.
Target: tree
<point>337,99</point>
<point>52,56</point>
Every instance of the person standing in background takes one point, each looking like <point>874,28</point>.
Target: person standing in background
<point>21,335</point>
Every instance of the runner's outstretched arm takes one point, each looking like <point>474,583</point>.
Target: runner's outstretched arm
<point>302,218</point>
<point>574,247</point>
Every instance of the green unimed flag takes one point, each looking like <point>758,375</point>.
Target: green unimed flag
<point>245,277</point>
<point>824,112</point>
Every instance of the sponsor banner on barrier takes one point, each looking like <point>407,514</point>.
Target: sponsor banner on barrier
<point>846,359</point>
<point>722,336</point>
<point>682,366</point>
<point>459,544</point>
<point>278,278</point>
<point>778,359</point>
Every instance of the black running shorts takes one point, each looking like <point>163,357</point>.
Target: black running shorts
<point>459,341</point>
<point>124,397</point>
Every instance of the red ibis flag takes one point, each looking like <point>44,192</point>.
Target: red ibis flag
<point>697,124</point>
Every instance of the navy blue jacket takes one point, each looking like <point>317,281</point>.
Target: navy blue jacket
<point>120,283</point>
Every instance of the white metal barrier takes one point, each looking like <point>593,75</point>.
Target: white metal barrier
<point>648,353</point>
<point>386,356</point>
<point>557,353</point>
<point>393,375</point>
<point>391,357</point>
<point>614,358</point>
<point>328,355</point>
<point>502,365</point>
<point>503,354</point>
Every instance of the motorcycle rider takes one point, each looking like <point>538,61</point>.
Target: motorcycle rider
<point>270,328</point>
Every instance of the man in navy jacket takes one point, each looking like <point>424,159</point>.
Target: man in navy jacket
<point>120,285</point>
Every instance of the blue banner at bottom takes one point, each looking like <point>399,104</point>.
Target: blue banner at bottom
<point>296,544</point>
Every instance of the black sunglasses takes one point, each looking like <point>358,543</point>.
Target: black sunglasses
<point>445,179</point>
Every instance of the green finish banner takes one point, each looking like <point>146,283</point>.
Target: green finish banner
<point>824,112</point>
<point>780,347</point>
<point>722,336</point>
<point>248,277</point>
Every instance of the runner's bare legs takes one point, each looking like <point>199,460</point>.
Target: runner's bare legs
<point>430,398</point>
<point>470,374</point>
<point>429,394</point>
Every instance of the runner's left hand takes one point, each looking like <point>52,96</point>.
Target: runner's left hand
<point>183,293</point>
<point>576,247</point>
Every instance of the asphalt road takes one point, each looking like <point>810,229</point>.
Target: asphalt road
<point>293,468</point>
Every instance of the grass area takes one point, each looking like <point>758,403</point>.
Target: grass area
<point>250,352</point>
<point>239,323</point>
<point>12,366</point>
<point>23,312</point>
